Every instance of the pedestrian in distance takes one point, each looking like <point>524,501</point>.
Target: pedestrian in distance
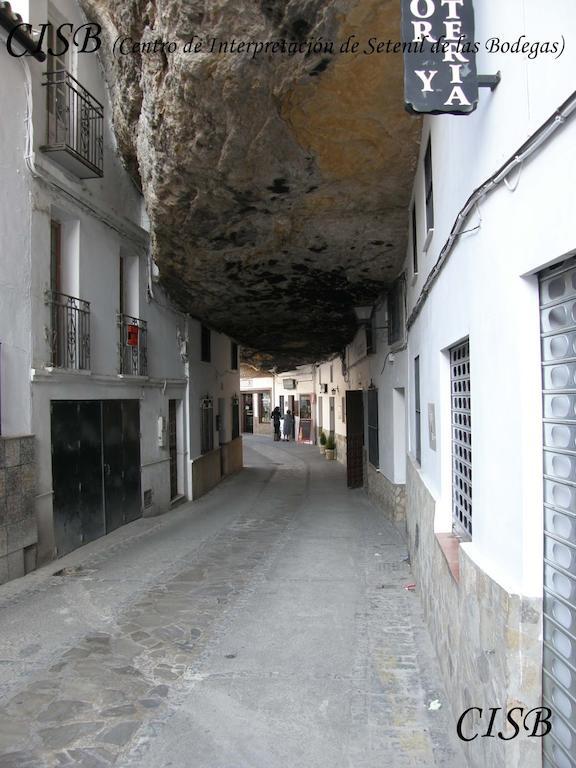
<point>276,416</point>
<point>288,425</point>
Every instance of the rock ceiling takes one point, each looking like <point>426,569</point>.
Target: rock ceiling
<point>277,186</point>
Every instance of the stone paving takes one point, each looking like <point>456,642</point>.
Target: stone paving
<point>286,638</point>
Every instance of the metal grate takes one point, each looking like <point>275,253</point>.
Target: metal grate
<point>461,440</point>
<point>558,332</point>
<point>132,348</point>
<point>69,331</point>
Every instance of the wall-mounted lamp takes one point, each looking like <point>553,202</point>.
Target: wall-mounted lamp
<point>371,385</point>
<point>363,314</point>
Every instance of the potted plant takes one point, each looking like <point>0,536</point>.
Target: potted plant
<point>322,441</point>
<point>330,448</point>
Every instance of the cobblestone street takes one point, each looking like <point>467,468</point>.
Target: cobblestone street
<point>266,625</point>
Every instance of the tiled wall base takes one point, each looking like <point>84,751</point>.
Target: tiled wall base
<point>18,528</point>
<point>487,639</point>
<point>388,496</point>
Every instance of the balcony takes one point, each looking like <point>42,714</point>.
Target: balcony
<point>132,346</point>
<point>69,335</point>
<point>75,121</point>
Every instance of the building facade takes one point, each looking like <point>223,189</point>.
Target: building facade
<point>469,414</point>
<point>130,406</point>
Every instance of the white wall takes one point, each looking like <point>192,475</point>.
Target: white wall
<point>486,292</point>
<point>15,252</point>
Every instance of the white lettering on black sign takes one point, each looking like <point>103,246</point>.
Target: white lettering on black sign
<point>440,56</point>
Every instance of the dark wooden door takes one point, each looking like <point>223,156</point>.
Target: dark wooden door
<point>173,448</point>
<point>78,515</point>
<point>248,413</point>
<point>121,451</point>
<point>355,438</point>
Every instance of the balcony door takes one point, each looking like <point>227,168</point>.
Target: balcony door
<point>58,64</point>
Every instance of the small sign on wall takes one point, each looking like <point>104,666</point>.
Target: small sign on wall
<point>432,426</point>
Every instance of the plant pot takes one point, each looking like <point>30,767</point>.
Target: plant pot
<point>330,455</point>
<point>322,449</point>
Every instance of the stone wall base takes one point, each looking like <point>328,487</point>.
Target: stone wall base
<point>263,428</point>
<point>386,495</point>
<point>206,473</point>
<point>341,448</point>
<point>232,458</point>
<point>18,527</point>
<point>487,639</point>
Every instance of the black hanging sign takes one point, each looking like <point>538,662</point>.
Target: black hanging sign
<point>439,56</point>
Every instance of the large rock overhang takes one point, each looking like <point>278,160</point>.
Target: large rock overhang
<point>278,186</point>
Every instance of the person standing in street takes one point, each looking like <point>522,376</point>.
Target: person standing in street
<point>276,416</point>
<point>288,425</point>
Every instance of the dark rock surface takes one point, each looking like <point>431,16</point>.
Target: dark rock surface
<point>277,186</point>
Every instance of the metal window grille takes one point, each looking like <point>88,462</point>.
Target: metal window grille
<point>461,440</point>
<point>206,425</point>
<point>558,345</point>
<point>133,346</point>
<point>414,239</point>
<point>373,447</point>
<point>235,418</point>
<point>69,335</point>
<point>429,186</point>
<point>417,414</point>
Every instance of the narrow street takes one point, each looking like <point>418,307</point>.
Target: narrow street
<point>266,625</point>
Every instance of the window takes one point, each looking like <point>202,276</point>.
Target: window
<point>331,374</point>
<point>417,415</point>
<point>205,344</point>
<point>206,425</point>
<point>395,306</point>
<point>414,240</point>
<point>461,439</point>
<point>428,187</point>
<point>344,409</point>
<point>373,448</point>
<point>233,356</point>
<point>264,406</point>
<point>281,404</point>
<point>122,287</point>
<point>370,340</point>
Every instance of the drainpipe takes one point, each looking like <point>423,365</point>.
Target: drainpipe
<point>530,147</point>
<point>13,24</point>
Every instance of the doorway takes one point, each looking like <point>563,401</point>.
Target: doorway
<point>95,469</point>
<point>248,413</point>
<point>354,438</point>
<point>173,447</point>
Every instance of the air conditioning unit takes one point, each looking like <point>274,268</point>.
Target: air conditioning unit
<point>289,383</point>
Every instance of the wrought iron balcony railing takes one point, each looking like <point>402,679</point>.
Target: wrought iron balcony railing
<point>132,346</point>
<point>69,331</point>
<point>75,126</point>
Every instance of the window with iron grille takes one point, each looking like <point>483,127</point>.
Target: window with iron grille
<point>461,439</point>
<point>417,413</point>
<point>429,186</point>
<point>233,356</point>
<point>373,447</point>
<point>205,345</point>
<point>235,418</point>
<point>207,425</point>
<point>395,308</point>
